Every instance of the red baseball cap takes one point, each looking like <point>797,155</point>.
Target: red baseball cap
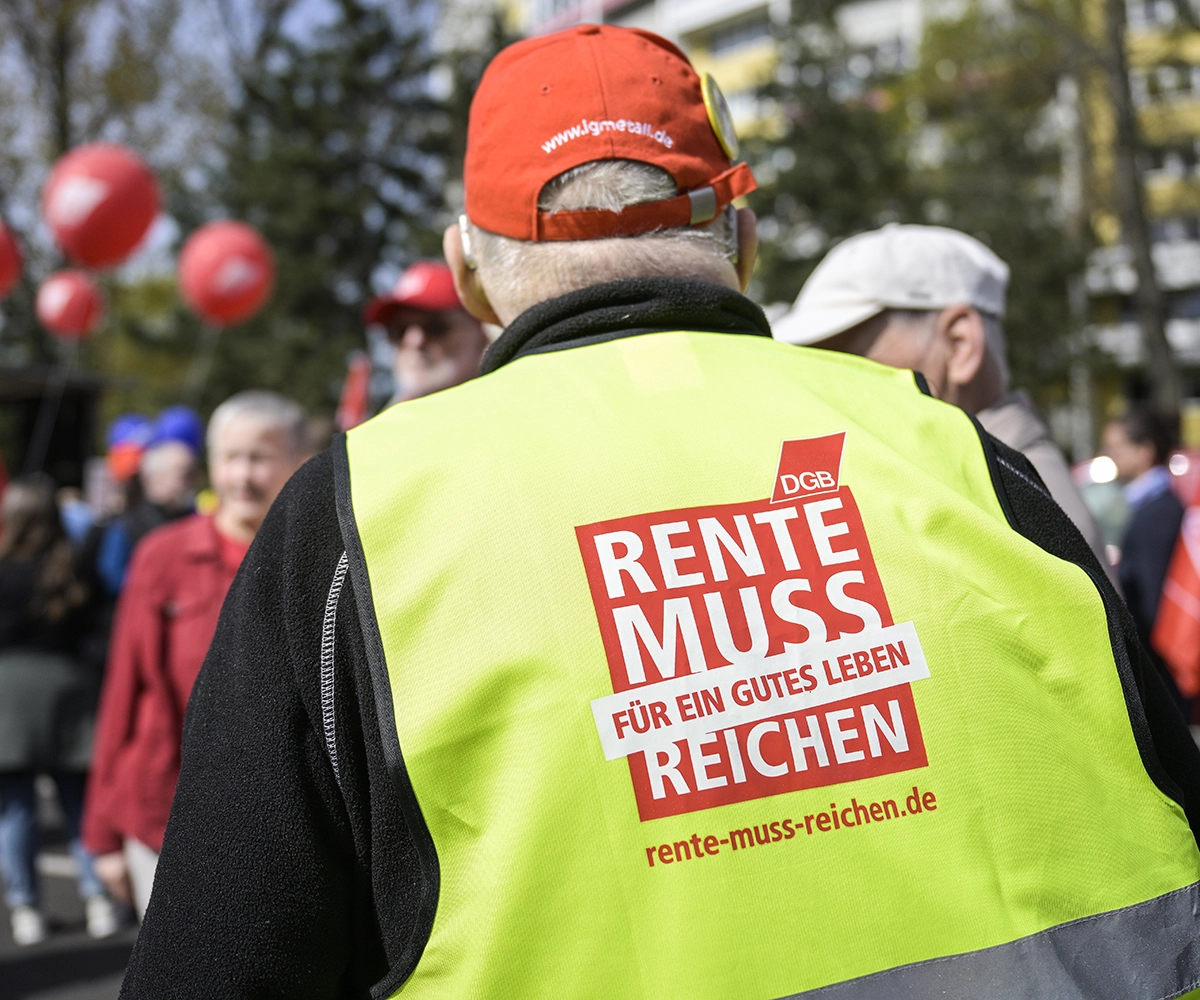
<point>427,285</point>
<point>596,92</point>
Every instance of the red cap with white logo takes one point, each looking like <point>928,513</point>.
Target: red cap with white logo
<point>597,92</point>
<point>427,285</point>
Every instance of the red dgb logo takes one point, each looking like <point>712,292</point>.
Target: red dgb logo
<point>808,466</point>
<point>750,646</point>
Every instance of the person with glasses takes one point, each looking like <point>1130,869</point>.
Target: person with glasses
<point>437,343</point>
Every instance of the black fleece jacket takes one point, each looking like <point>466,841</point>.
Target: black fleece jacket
<point>280,877</point>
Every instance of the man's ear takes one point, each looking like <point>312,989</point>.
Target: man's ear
<point>961,330</point>
<point>466,279</point>
<point>747,243</point>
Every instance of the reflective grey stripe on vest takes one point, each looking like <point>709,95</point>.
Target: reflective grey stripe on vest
<point>1149,951</point>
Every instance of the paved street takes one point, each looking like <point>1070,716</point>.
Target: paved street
<point>70,965</point>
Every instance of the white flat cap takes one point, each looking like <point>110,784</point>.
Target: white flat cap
<point>896,267</point>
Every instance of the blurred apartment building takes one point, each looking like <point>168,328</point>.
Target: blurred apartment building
<point>732,39</point>
<point>1164,60</point>
<point>729,38</point>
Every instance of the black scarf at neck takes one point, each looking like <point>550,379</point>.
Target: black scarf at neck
<point>624,309</point>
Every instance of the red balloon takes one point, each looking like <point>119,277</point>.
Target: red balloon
<point>69,305</point>
<point>10,260</point>
<point>99,202</point>
<point>226,272</point>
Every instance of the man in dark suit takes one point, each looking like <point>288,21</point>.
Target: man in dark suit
<point>1139,444</point>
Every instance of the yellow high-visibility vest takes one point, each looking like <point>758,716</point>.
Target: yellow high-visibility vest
<point>711,667</point>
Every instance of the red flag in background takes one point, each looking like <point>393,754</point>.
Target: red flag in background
<point>352,407</point>
<point>1176,635</point>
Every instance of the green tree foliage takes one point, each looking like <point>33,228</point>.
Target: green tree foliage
<point>831,159</point>
<point>337,154</point>
<point>994,124</point>
<point>470,35</point>
<point>145,347</point>
<point>335,128</point>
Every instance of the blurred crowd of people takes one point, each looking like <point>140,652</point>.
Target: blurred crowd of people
<point>105,617</point>
<point>107,608</point>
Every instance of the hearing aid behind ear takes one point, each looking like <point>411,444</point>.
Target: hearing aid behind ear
<point>464,237</point>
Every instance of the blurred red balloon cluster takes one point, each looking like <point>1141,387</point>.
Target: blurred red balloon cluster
<point>99,202</point>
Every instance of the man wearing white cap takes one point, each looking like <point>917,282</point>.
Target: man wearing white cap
<point>931,299</point>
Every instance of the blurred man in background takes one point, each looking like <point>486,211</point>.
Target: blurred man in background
<point>932,299</point>
<point>1139,443</point>
<point>168,611</point>
<point>167,475</point>
<point>437,343</point>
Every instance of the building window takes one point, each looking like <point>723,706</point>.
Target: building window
<point>1151,13</point>
<point>1175,229</point>
<point>544,10</point>
<point>1184,305</point>
<point>1165,83</point>
<point>1177,162</point>
<point>739,34</point>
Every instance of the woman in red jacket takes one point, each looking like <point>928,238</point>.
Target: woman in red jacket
<point>165,621</point>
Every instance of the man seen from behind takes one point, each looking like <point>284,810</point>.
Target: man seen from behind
<point>664,660</point>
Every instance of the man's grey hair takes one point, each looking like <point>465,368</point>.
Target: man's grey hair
<point>269,407</point>
<point>993,331</point>
<point>521,273</point>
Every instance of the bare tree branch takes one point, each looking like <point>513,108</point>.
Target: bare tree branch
<point>24,25</point>
<point>236,16</point>
<point>1066,33</point>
